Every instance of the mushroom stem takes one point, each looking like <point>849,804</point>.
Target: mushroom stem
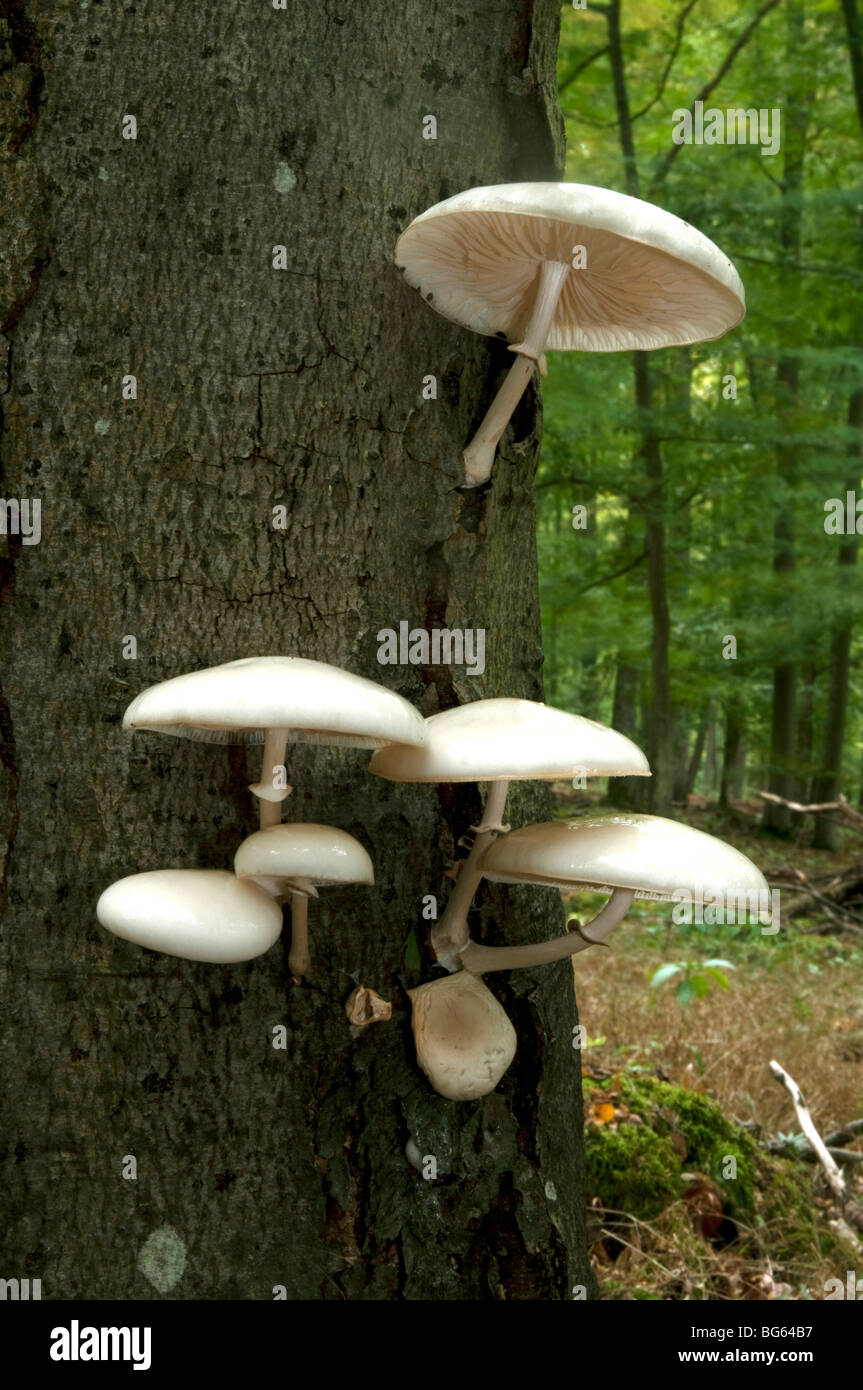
<point>298,956</point>
<point>452,934</point>
<point>481,959</point>
<point>270,807</point>
<point>479,454</point>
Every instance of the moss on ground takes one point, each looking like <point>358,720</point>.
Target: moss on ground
<point>638,1168</point>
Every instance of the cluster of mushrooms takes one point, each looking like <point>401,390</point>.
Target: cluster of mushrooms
<point>542,265</point>
<point>464,1040</point>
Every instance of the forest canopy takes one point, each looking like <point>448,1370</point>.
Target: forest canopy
<point>698,580</point>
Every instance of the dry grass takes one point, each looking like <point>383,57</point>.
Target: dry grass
<point>795,997</point>
<point>776,1006</point>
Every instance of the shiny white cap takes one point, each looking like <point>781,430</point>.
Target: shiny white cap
<point>511,740</point>
<point>655,857</point>
<point>311,701</point>
<point>316,854</point>
<point>198,914</point>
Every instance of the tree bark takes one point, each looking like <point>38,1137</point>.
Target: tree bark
<point>258,388</point>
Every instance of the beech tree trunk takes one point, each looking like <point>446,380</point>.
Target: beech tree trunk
<point>783,725</point>
<point>660,745</point>
<point>733,756</point>
<point>259,388</point>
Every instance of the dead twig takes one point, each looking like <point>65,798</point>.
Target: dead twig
<point>851,1214</point>
<point>850,815</point>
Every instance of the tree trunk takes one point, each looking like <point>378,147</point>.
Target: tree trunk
<point>698,747</point>
<point>805,733</point>
<point>828,783</point>
<point>733,758</point>
<point>680,787</point>
<point>784,709</point>
<point>256,388</point>
<point>660,742</point>
<point>625,791</point>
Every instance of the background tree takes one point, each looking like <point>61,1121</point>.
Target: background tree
<point>727,452</point>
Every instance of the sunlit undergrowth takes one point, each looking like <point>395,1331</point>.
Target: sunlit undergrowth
<point>673,1091</point>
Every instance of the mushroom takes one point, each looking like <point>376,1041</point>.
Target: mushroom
<point>564,265</point>
<point>629,856</point>
<point>499,741</point>
<point>293,861</point>
<point>274,700</point>
<point>464,1040</point>
<point>197,914</point>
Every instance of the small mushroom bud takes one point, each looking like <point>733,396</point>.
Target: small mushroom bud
<point>464,1040</point>
<point>363,1006</point>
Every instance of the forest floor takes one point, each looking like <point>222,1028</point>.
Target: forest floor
<point>649,1058</point>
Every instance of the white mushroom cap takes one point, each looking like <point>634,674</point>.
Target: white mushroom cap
<point>311,701</point>
<point>198,914</point>
<point>650,280</point>
<point>464,1040</point>
<point>511,740</point>
<point>655,857</point>
<point>316,854</point>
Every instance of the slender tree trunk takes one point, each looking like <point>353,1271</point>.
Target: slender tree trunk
<point>625,791</point>
<point>680,782</point>
<point>660,742</point>
<point>698,747</point>
<point>828,783</point>
<point>257,388</point>
<point>732,758</point>
<point>805,734</point>
<point>854,33</point>
<point>783,728</point>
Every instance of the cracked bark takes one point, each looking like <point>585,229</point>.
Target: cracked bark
<point>275,1167</point>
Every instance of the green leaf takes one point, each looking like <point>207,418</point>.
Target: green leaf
<point>700,984</point>
<point>722,963</point>
<point>665,972</point>
<point>717,975</point>
<point>685,992</point>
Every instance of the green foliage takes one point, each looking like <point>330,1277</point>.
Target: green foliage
<point>638,1168</point>
<point>697,977</point>
<point>732,467</point>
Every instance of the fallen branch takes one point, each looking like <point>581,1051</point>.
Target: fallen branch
<point>830,895</point>
<point>807,1124</point>
<point>849,813</point>
<point>845,1135</point>
<point>808,1154</point>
